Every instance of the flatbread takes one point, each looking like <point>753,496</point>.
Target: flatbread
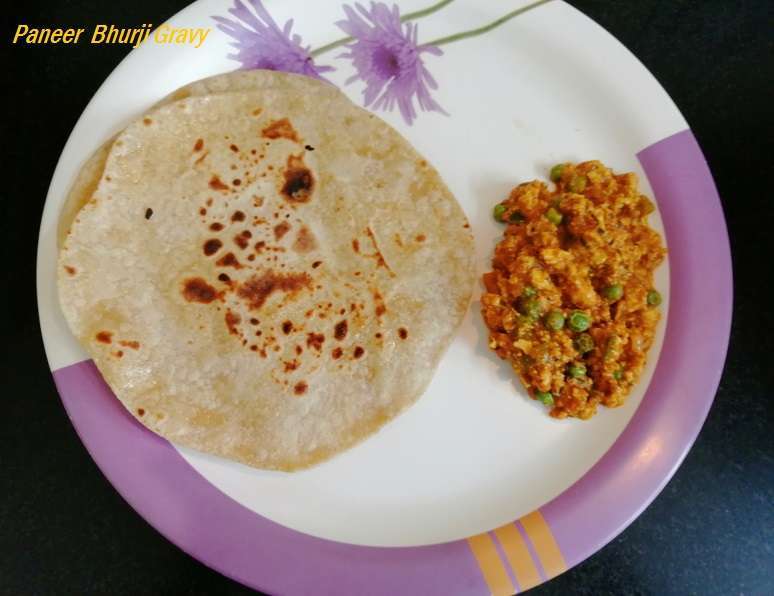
<point>86,181</point>
<point>269,275</point>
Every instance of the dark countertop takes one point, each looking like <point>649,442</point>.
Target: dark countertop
<point>65,530</point>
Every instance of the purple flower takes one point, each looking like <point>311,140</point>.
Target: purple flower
<point>386,56</point>
<point>260,43</point>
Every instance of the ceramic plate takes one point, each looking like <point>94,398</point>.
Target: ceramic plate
<point>474,490</point>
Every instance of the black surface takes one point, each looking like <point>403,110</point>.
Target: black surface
<point>64,529</point>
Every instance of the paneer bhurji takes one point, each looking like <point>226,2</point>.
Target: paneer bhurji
<point>570,302</point>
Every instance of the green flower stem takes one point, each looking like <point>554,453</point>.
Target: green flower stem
<point>486,28</point>
<point>330,46</point>
<point>417,14</point>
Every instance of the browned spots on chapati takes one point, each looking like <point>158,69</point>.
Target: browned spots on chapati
<point>336,353</point>
<point>258,288</point>
<point>359,351</point>
<point>217,184</point>
<point>340,330</point>
<point>316,264</point>
<point>280,129</point>
<point>237,216</point>
<point>403,333</point>
<point>281,229</point>
<point>147,121</point>
<point>315,340</point>
<point>140,412</point>
<point>243,239</point>
<point>257,111</point>
<point>148,213</point>
<point>229,260</point>
<point>198,145</point>
<point>290,365</point>
<point>259,246</point>
<point>105,337</point>
<point>287,327</point>
<point>195,289</point>
<point>232,320</point>
<point>224,278</point>
<point>202,212</point>
<point>119,354</point>
<point>420,238</point>
<point>212,246</point>
<point>300,388</point>
<point>70,270</point>
<point>130,343</point>
<point>299,181</point>
<point>380,262</point>
<point>234,148</point>
<point>398,240</point>
<point>305,241</point>
<point>376,254</point>
<point>216,227</point>
<point>236,182</point>
<point>379,306</point>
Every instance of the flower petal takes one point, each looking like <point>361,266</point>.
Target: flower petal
<point>386,57</point>
<point>262,44</point>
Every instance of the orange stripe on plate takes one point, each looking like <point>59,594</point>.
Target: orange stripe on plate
<point>491,565</point>
<point>518,556</point>
<point>544,543</point>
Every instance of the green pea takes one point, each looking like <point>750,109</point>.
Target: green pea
<point>579,321</point>
<point>577,183</point>
<point>584,343</point>
<point>618,374</point>
<point>555,320</point>
<point>553,216</point>
<point>498,211</point>
<point>653,298</point>
<point>528,292</point>
<point>530,307</point>
<point>613,292</point>
<point>516,217</point>
<point>545,397</point>
<point>556,172</point>
<point>576,370</point>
